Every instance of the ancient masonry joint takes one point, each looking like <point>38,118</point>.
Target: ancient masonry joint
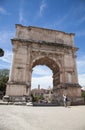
<point>40,46</point>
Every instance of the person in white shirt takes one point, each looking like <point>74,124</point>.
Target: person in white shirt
<point>65,100</point>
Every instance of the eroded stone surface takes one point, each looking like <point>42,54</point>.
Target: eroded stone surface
<point>37,46</point>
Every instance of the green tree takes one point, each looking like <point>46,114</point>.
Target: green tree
<point>4,76</point>
<point>83,95</point>
<point>1,52</point>
<point>37,98</point>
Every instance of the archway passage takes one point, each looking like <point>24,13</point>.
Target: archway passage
<point>42,77</point>
<point>34,46</point>
<point>52,65</point>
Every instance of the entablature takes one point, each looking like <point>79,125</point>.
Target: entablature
<point>42,43</point>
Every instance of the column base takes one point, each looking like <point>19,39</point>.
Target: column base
<point>16,98</point>
<point>72,91</point>
<point>17,92</point>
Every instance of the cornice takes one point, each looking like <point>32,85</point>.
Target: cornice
<point>27,42</point>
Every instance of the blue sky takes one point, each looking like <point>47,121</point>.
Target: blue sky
<point>63,15</point>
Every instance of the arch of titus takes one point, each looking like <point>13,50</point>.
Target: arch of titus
<point>40,46</point>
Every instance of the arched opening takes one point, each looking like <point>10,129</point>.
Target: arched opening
<point>45,77</point>
<point>42,77</point>
<point>50,63</point>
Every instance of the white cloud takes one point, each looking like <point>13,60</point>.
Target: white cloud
<point>42,70</point>
<point>5,66</point>
<point>21,18</point>
<point>5,36</point>
<point>81,62</point>
<point>81,78</point>
<point>42,7</point>
<point>42,75</point>
<point>61,20</point>
<point>7,58</point>
<point>21,12</point>
<point>3,11</point>
<point>44,82</point>
<point>81,70</point>
<point>81,65</point>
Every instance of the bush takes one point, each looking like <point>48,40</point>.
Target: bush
<point>4,76</point>
<point>83,95</point>
<point>37,98</point>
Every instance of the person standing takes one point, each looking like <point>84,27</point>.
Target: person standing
<point>65,100</point>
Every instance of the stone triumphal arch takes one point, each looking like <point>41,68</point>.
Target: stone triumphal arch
<point>39,46</point>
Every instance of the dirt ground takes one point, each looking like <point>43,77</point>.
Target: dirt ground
<point>14,117</point>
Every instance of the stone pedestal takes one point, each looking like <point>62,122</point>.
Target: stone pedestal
<point>69,89</point>
<point>17,91</point>
<point>72,91</point>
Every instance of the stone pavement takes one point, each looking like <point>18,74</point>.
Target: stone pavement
<point>14,117</point>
